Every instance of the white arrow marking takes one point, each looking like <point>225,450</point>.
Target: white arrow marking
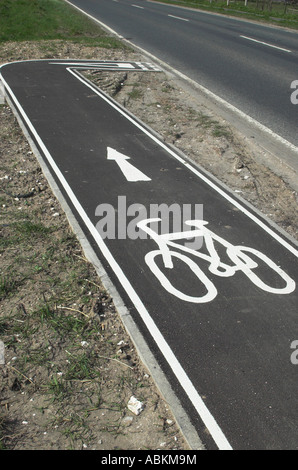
<point>130,172</point>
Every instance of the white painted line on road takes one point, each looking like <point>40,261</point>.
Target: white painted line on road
<point>265,43</point>
<point>211,424</point>
<point>2,93</point>
<point>138,6</point>
<point>100,65</point>
<point>178,18</point>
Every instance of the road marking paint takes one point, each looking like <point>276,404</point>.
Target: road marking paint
<point>239,255</point>
<point>100,65</point>
<point>211,424</point>
<point>138,6</point>
<point>178,18</point>
<point>130,172</point>
<point>111,66</point>
<point>265,43</point>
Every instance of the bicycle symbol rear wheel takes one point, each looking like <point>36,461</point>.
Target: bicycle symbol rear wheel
<point>209,286</point>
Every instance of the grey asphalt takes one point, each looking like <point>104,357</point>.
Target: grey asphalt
<point>222,333</point>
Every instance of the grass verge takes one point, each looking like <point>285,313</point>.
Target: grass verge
<point>36,20</point>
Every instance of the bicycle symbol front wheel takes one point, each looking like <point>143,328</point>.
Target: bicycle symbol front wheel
<point>246,265</point>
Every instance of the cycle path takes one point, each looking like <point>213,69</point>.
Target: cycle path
<point>219,319</point>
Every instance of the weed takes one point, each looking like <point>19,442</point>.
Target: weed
<point>2,431</point>
<point>221,131</point>
<point>57,388</point>
<point>28,228</point>
<point>81,367</point>
<point>135,94</point>
<point>4,325</point>
<point>7,286</point>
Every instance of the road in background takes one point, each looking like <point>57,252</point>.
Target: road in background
<point>249,65</point>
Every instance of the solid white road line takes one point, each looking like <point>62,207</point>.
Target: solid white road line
<point>265,44</point>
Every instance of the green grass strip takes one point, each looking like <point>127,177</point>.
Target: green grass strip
<point>33,20</point>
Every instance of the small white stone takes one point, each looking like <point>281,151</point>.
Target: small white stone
<point>135,405</point>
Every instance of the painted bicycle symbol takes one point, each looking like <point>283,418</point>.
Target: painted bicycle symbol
<point>238,255</point>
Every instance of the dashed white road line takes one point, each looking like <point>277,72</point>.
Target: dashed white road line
<point>178,18</point>
<point>265,43</point>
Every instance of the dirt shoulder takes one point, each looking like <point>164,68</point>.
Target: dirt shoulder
<point>70,367</point>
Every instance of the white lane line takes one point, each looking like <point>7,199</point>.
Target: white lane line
<point>100,65</point>
<point>265,43</point>
<point>178,18</point>
<point>138,6</point>
<point>221,101</point>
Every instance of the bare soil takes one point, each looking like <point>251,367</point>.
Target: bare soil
<point>70,367</point>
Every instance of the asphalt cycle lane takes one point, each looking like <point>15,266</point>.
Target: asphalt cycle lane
<point>214,293</point>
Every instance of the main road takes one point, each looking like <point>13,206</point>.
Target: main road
<point>251,66</point>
